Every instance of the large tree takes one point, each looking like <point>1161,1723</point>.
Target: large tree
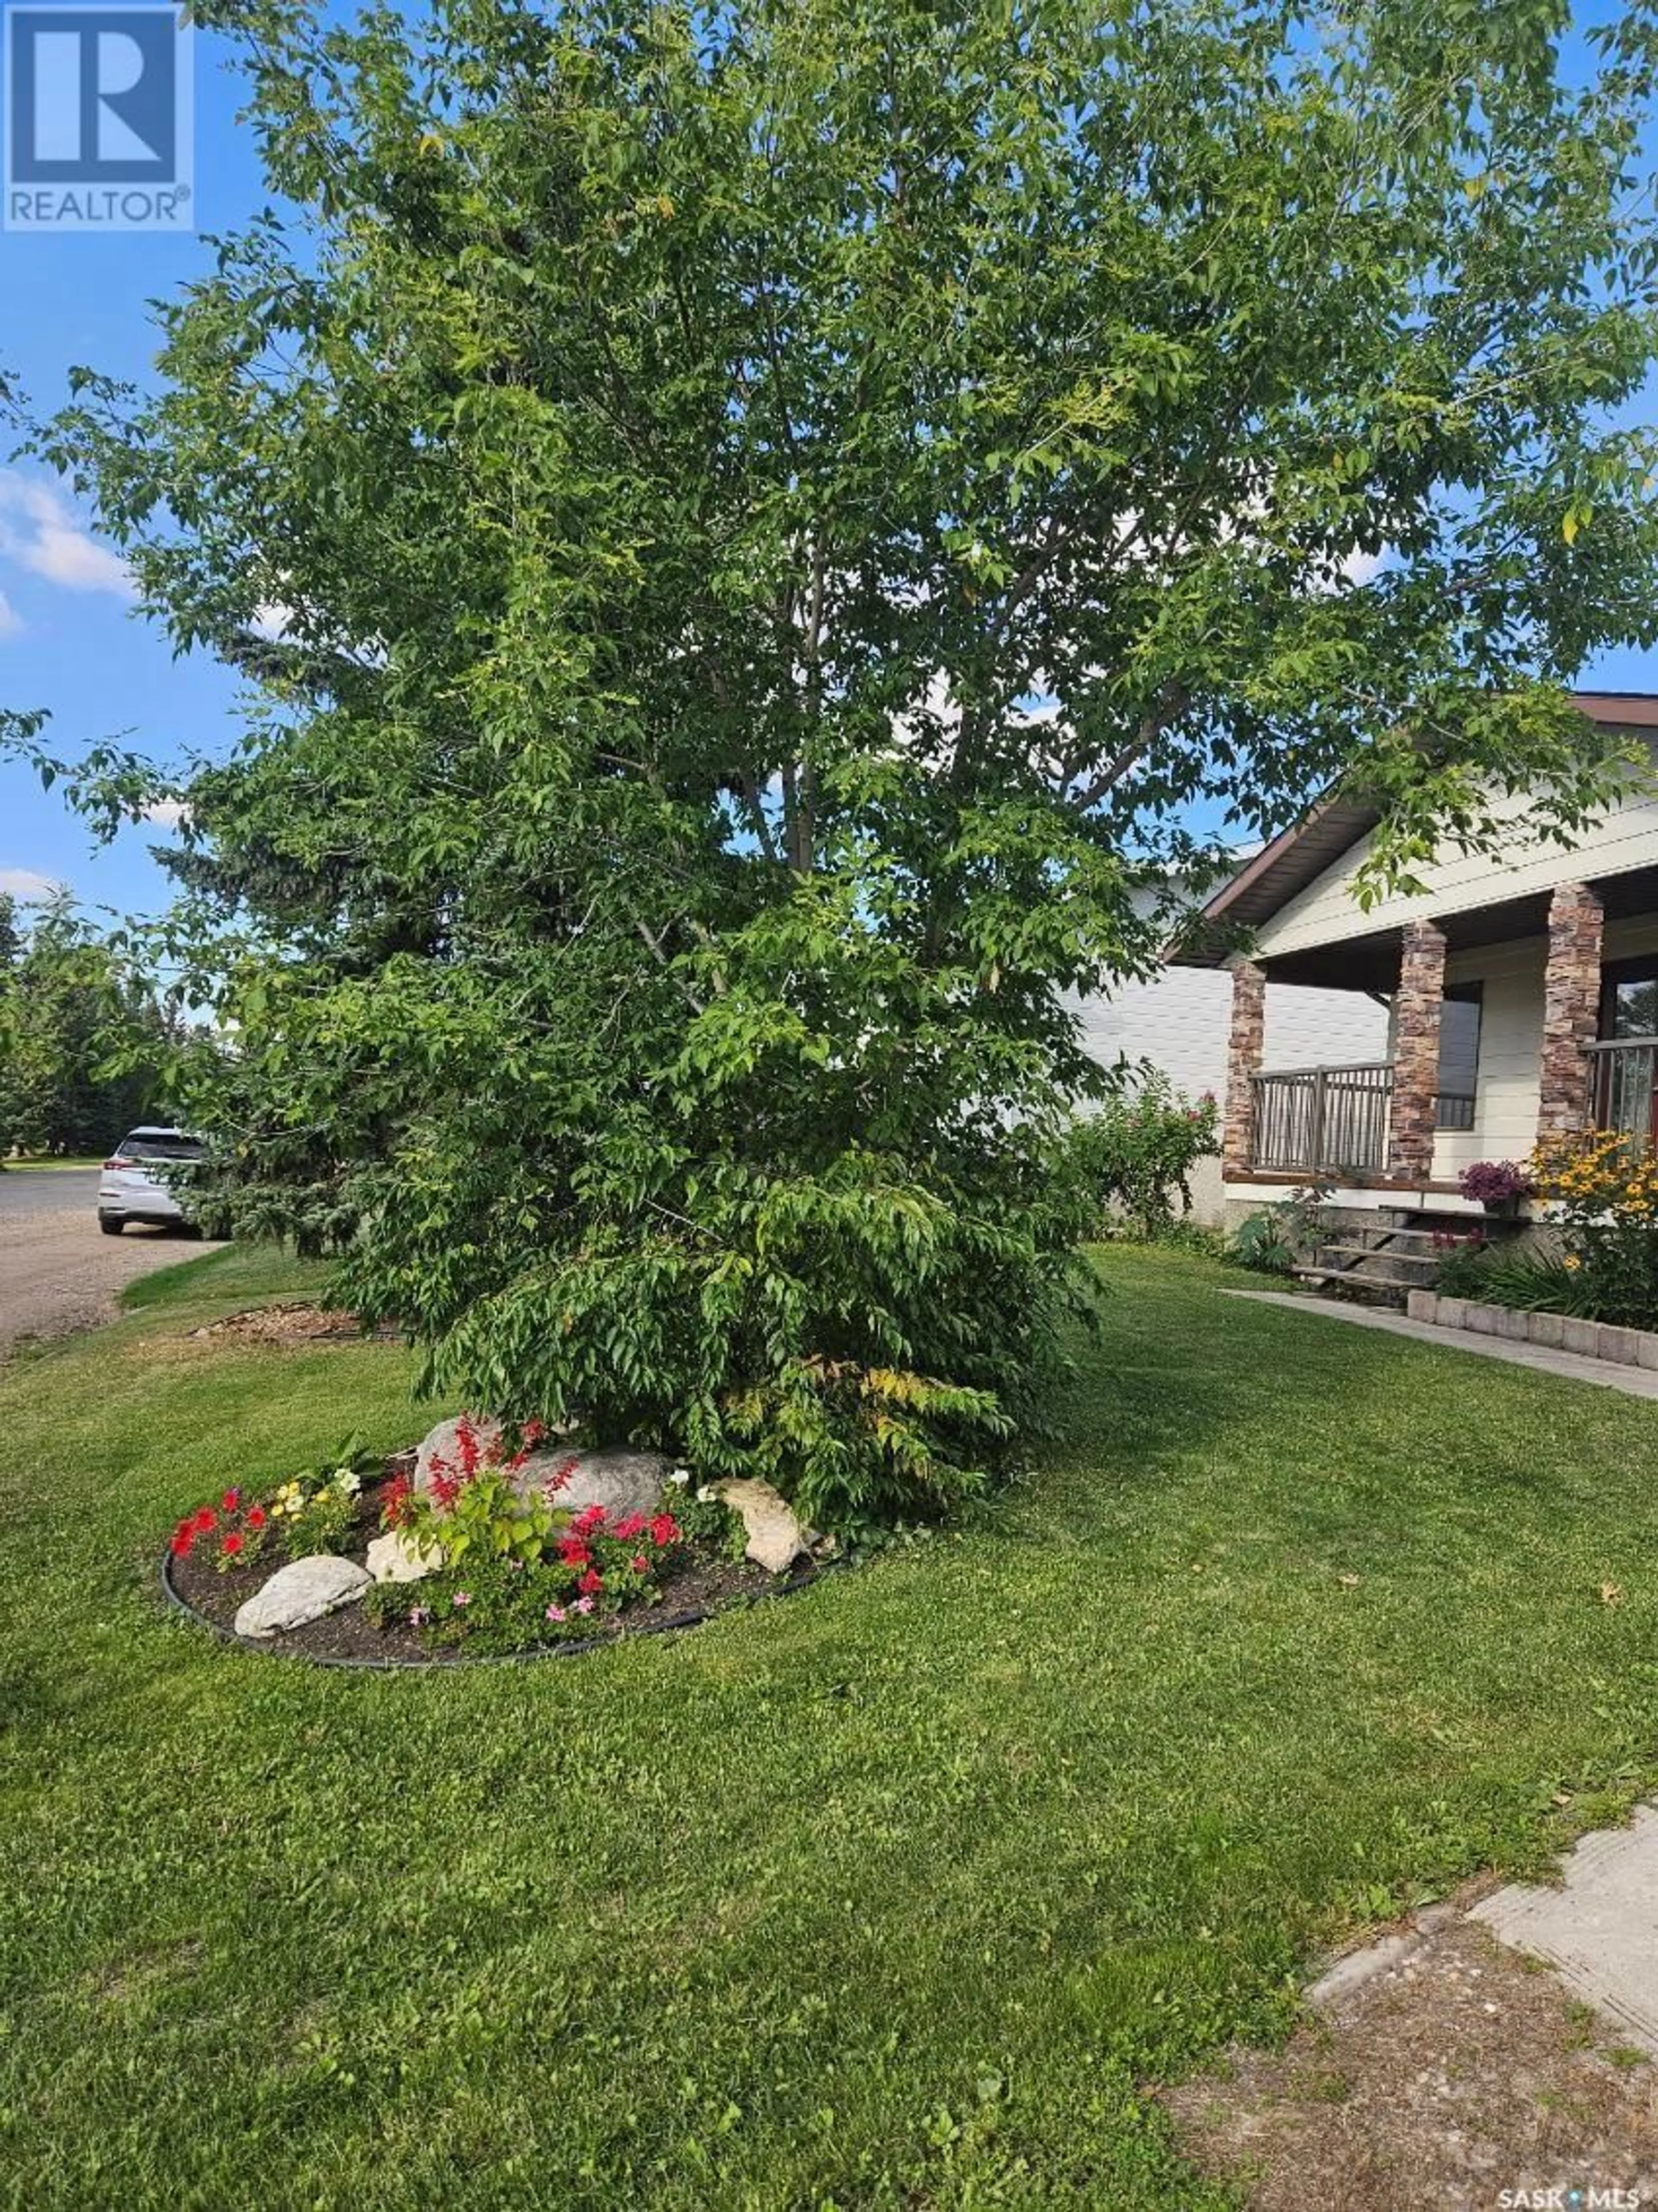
<point>752,532</point>
<point>83,1038</point>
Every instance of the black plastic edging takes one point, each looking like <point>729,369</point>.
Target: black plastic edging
<point>573,1650</point>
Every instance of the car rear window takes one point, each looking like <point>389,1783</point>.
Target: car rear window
<point>160,1148</point>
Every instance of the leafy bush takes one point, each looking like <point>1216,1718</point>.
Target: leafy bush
<point>1282,1235</point>
<point>1133,1158</point>
<point>1532,1281</point>
<point>1263,1243</point>
<point>1605,1186</point>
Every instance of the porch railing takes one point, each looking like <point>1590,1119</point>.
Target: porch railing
<point>1624,1076</point>
<point>1329,1121</point>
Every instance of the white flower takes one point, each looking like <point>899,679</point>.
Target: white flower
<point>704,1495</point>
<point>349,1483</point>
<point>682,1476</point>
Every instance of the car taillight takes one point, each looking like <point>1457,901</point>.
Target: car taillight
<point>118,1161</point>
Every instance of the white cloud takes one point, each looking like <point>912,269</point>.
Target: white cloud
<point>40,531</point>
<point>11,622</point>
<point>28,883</point>
<point>166,813</point>
<point>271,620</point>
<point>1359,567</point>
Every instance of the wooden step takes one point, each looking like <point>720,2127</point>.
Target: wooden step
<point>1386,1252</point>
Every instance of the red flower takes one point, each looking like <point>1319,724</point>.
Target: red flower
<point>642,1565</point>
<point>205,1520</point>
<point>256,1516</point>
<point>589,1521</point>
<point>630,1526</point>
<point>561,1475</point>
<point>395,1510</point>
<point>233,1544</point>
<point>534,1432</point>
<point>664,1530</point>
<point>591,1583</point>
<point>231,1500</point>
<point>446,1488</point>
<point>573,1553</point>
<point>181,1541</point>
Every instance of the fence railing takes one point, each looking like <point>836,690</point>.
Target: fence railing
<point>1624,1075</point>
<point>1330,1120</point>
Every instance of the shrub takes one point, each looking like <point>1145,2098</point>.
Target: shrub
<point>1605,1186</point>
<point>1533,1281</point>
<point>1276,1241</point>
<point>1134,1158</point>
<point>1263,1245</point>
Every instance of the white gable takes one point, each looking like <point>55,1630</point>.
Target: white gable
<point>1327,913</point>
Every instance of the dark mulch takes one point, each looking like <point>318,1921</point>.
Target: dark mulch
<point>698,1585</point>
<point>280,1326</point>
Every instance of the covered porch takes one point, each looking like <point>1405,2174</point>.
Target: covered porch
<point>1514,1020</point>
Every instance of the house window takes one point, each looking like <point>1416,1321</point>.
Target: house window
<point>1459,1056</point>
<point>1629,998</point>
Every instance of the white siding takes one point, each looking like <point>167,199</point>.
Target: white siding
<point>1511,1054</point>
<point>1508,1083</point>
<point>1325,913</point>
<point>1179,1021</point>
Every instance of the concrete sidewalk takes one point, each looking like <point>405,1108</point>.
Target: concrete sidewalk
<point>1599,1928</point>
<point>1633,1382</point>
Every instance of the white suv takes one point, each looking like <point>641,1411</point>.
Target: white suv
<point>127,1192</point>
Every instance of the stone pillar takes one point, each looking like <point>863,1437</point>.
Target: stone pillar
<point>1415,1105</point>
<point>1243,1057</point>
<point>1571,1009</point>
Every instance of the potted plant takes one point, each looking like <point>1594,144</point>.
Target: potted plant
<point>1498,1185</point>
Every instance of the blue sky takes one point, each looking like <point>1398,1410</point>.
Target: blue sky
<point>69,641</point>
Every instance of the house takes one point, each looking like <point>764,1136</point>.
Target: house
<point>1523,995</point>
<point>1177,1020</point>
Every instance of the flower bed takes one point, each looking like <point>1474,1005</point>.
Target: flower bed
<point>494,1569</point>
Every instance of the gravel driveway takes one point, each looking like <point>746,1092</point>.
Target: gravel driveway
<point>58,1271</point>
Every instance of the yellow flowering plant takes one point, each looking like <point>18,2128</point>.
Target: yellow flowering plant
<point>1603,1184</point>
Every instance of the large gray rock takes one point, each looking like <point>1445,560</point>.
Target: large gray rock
<point>620,1481</point>
<point>776,1539</point>
<point>304,1589</point>
<point>440,1447</point>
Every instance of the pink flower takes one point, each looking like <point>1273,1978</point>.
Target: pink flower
<point>419,1615</point>
<point>557,1612</point>
<point>639,1564</point>
<point>462,1597</point>
<point>582,1604</point>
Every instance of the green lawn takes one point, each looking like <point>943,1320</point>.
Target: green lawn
<point>895,1895</point>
